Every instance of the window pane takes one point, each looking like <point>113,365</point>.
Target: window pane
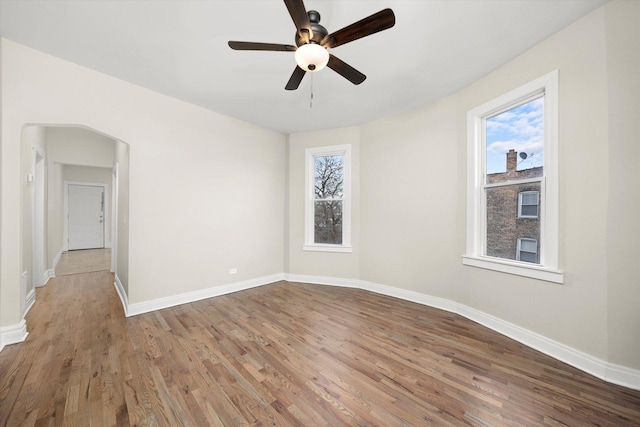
<point>528,257</point>
<point>529,199</point>
<point>504,227</point>
<point>530,210</point>
<point>328,222</point>
<point>329,177</point>
<point>528,245</point>
<point>514,141</point>
<point>529,202</point>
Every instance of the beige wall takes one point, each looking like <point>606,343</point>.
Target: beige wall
<point>622,21</point>
<point>408,200</point>
<point>207,192</point>
<point>202,203</point>
<point>79,146</point>
<point>4,293</point>
<point>87,174</point>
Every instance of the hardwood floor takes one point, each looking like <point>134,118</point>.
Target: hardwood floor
<point>284,354</point>
<point>83,261</point>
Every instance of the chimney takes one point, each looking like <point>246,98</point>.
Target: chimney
<point>512,162</point>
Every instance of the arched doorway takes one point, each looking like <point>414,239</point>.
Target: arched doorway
<point>53,155</point>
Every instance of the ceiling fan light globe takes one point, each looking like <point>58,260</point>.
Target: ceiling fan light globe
<point>312,57</point>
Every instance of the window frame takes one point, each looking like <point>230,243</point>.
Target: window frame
<point>520,194</point>
<point>548,201</point>
<point>309,228</point>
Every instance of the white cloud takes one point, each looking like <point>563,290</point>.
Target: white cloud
<point>520,123</point>
<point>529,146</point>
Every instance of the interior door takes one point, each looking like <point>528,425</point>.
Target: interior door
<point>86,217</point>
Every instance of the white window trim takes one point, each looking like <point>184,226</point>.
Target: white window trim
<point>519,246</point>
<point>548,208</point>
<point>309,221</point>
<point>520,204</point>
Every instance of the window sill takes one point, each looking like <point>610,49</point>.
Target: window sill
<point>519,269</point>
<point>327,248</point>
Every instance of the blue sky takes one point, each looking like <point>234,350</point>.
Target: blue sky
<point>520,128</point>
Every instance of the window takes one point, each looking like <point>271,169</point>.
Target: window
<point>528,204</point>
<point>527,250</point>
<point>512,182</point>
<point>328,204</point>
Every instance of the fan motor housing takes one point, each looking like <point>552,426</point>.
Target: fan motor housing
<point>319,32</point>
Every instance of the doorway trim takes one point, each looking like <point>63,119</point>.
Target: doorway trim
<point>39,270</point>
<point>107,216</point>
<point>114,226</point>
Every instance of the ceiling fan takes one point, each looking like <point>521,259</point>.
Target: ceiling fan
<point>313,42</point>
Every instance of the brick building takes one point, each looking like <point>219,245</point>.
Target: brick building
<point>513,213</point>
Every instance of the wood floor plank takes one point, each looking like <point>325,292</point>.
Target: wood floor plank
<point>285,354</point>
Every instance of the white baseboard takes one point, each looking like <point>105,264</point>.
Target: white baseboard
<point>404,294</point>
<point>43,279</point>
<point>599,368</point>
<point>622,375</point>
<point>13,334</point>
<point>122,294</point>
<point>322,280</point>
<point>592,365</point>
<point>49,274</point>
<point>171,301</point>
<point>56,260</point>
<point>29,301</point>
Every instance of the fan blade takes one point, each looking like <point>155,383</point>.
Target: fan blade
<point>261,46</point>
<point>345,70</point>
<point>300,18</point>
<point>295,79</point>
<point>380,21</point>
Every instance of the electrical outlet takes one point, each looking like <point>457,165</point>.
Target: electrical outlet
<point>233,270</point>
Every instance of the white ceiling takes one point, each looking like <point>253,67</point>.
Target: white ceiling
<point>179,48</point>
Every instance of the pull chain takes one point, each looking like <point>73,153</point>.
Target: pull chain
<point>311,97</point>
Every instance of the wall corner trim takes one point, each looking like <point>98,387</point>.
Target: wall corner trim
<point>616,374</point>
<point>13,334</point>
